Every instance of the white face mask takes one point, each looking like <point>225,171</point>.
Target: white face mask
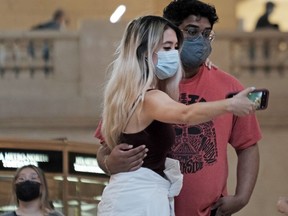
<point>168,64</point>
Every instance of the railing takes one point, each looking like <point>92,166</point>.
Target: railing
<point>24,54</point>
<point>61,87</point>
<point>59,80</point>
<point>258,52</point>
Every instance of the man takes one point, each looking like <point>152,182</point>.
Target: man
<point>59,21</point>
<point>202,149</point>
<point>263,21</point>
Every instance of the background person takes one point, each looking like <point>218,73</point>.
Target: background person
<point>58,22</point>
<point>138,108</point>
<point>282,205</point>
<point>31,193</point>
<point>263,22</point>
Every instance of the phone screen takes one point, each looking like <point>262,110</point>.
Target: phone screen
<point>256,97</point>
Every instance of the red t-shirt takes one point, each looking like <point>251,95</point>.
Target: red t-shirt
<point>202,149</point>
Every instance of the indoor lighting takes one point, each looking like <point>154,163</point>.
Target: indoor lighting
<point>118,13</point>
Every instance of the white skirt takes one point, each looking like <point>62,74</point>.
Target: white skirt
<point>141,193</point>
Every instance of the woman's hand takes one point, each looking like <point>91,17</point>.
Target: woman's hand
<point>240,105</point>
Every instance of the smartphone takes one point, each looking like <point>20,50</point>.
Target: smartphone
<point>259,96</point>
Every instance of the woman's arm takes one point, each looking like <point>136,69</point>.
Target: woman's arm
<point>158,105</point>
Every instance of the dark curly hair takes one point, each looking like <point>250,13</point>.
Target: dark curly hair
<point>178,10</point>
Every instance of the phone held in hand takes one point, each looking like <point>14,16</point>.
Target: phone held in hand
<point>258,96</point>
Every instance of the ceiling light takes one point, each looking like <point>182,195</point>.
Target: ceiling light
<point>118,13</point>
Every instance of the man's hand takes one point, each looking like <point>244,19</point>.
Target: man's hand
<point>209,64</point>
<point>228,205</point>
<point>125,158</point>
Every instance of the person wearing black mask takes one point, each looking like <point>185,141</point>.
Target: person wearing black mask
<point>31,193</point>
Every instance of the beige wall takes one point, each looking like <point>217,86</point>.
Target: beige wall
<point>273,175</point>
<point>234,14</point>
<point>22,15</point>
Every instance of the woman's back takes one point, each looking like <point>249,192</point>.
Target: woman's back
<point>158,138</point>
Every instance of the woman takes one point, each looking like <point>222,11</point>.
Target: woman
<point>31,193</point>
<point>140,104</point>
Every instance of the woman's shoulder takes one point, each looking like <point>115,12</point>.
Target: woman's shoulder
<point>154,99</point>
<point>56,213</point>
<point>8,214</point>
<point>157,96</point>
<point>155,93</point>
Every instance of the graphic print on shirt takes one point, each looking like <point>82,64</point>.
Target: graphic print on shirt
<point>195,146</point>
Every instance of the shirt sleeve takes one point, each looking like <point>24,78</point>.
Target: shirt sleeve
<point>245,132</point>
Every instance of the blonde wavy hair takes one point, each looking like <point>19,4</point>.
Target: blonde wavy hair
<point>132,73</point>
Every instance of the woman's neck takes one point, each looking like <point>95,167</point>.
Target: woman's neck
<point>31,208</point>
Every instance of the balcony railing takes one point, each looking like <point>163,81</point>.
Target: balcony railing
<point>23,54</point>
<point>57,78</point>
<point>258,52</point>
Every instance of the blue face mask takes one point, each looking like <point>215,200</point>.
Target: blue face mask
<point>195,52</point>
<point>168,64</point>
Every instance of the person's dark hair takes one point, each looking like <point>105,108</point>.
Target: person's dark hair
<point>58,14</point>
<point>269,5</point>
<point>178,10</point>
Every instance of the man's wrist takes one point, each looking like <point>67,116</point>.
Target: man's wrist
<point>106,164</point>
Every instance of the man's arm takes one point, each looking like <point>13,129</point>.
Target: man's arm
<point>123,158</point>
<point>103,151</point>
<point>247,172</point>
